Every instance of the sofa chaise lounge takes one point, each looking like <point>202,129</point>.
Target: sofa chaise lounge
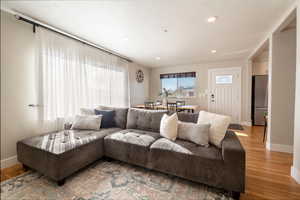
<point>135,139</point>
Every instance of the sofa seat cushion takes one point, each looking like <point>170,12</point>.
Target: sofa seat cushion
<point>130,145</point>
<point>188,160</point>
<point>189,148</point>
<point>133,138</point>
<point>60,142</point>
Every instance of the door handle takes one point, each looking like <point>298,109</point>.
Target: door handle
<point>212,98</point>
<point>33,105</point>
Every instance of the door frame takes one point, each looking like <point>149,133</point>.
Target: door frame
<point>239,84</point>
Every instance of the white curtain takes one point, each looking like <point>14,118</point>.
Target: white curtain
<point>74,75</point>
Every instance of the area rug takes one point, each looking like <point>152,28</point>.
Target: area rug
<point>109,180</point>
<point>236,127</point>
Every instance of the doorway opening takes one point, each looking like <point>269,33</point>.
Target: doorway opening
<point>259,88</point>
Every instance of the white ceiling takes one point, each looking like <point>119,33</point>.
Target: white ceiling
<point>241,25</point>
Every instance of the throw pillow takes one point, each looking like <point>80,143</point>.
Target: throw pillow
<point>89,122</point>
<point>197,133</point>
<point>107,118</point>
<point>218,126</point>
<point>168,126</point>
<point>87,111</point>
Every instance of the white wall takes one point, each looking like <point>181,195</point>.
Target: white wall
<point>201,70</point>
<point>260,64</point>
<point>18,121</point>
<point>260,68</point>
<point>18,86</point>
<point>139,92</point>
<point>295,171</point>
<point>282,91</point>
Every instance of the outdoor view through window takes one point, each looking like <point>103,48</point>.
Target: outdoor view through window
<point>179,85</point>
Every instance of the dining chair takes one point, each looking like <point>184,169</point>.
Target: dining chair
<point>265,128</point>
<point>149,105</point>
<point>158,102</point>
<point>171,106</point>
<point>178,104</point>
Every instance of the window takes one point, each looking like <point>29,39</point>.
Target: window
<point>179,85</point>
<point>224,79</point>
<point>74,76</point>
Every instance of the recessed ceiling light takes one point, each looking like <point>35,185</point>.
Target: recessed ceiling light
<point>213,51</point>
<point>125,39</point>
<point>157,58</point>
<point>212,19</point>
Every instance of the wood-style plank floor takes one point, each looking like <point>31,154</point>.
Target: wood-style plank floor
<point>267,173</point>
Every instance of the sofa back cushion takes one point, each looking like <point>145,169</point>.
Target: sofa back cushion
<point>120,117</point>
<point>188,117</point>
<point>148,120</point>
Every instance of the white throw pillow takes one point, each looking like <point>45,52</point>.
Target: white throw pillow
<point>88,122</point>
<point>87,111</point>
<point>197,133</point>
<point>218,126</point>
<point>168,126</point>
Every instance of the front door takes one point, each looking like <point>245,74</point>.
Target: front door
<point>224,86</point>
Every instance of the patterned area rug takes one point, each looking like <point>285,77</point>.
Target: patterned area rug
<point>109,180</point>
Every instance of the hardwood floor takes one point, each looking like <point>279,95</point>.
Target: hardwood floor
<point>267,173</point>
<point>11,172</point>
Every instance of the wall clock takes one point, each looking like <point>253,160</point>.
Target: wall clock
<point>139,76</point>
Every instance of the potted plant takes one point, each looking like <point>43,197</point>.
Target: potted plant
<point>164,95</point>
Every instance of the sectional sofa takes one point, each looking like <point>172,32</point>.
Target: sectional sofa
<point>135,139</point>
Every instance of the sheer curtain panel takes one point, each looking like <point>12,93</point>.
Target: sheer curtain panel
<point>73,75</point>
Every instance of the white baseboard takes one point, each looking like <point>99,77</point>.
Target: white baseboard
<point>280,147</point>
<point>295,173</point>
<point>9,162</point>
<point>245,123</point>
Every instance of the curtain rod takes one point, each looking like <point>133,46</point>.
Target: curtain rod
<point>35,24</point>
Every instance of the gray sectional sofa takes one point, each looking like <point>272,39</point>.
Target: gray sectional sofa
<point>136,140</point>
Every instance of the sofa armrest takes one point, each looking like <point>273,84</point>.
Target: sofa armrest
<point>234,157</point>
<point>232,149</point>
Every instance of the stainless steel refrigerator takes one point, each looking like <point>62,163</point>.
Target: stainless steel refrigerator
<point>259,99</point>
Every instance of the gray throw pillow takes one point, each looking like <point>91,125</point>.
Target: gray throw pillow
<point>197,133</point>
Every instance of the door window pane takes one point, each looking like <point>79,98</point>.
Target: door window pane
<point>224,79</point>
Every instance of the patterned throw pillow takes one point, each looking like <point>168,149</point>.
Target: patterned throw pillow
<point>197,133</point>
<point>89,122</point>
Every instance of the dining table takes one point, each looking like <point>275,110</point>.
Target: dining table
<point>189,108</point>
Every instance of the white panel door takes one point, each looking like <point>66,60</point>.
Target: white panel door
<point>225,92</point>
